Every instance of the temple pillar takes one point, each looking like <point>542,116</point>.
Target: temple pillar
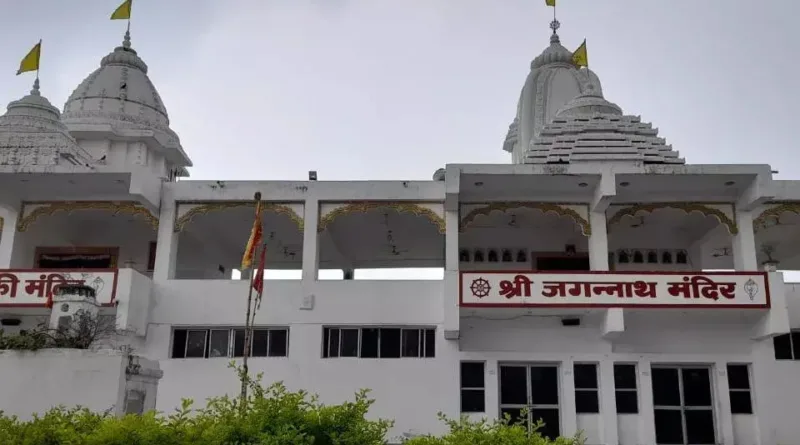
<point>614,318</point>
<point>744,243</point>
<point>8,232</point>
<point>167,243</point>
<point>310,252</point>
<point>451,276</point>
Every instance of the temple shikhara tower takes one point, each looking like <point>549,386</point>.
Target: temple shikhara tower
<point>598,279</point>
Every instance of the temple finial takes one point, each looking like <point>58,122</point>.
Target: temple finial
<point>126,42</point>
<point>35,90</point>
<point>554,25</point>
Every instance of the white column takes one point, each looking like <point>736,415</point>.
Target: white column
<point>7,235</point>
<point>723,408</point>
<point>614,318</point>
<point>310,253</point>
<point>310,240</point>
<point>608,402</point>
<point>167,242</point>
<point>569,414</point>
<point>647,418</point>
<point>744,243</point>
<point>451,276</point>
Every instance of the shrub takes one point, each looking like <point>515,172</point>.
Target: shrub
<point>496,432</point>
<point>269,416</point>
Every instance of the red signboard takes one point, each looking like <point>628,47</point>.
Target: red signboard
<point>615,289</point>
<point>32,287</point>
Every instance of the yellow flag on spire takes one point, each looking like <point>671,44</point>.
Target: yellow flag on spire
<point>31,61</point>
<point>550,3</point>
<point>580,57</point>
<point>123,12</point>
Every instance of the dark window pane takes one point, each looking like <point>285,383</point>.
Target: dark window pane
<point>179,343</point>
<point>627,402</point>
<point>326,336</point>
<point>473,401</point>
<point>238,343</point>
<point>411,342</point>
<point>625,376</point>
<point>196,344</point>
<point>741,402</point>
<point>430,343</point>
<point>260,343</point>
<point>472,375</point>
<point>738,377</point>
<point>514,413</point>
<point>333,342</point>
<point>349,342</point>
<point>551,426</point>
<point>585,376</point>
<point>783,347</point>
<point>795,345</point>
<point>390,343</point>
<point>369,343</point>
<point>513,385</point>
<point>587,401</point>
<point>700,427</point>
<point>669,426</point>
<point>544,385</point>
<point>278,343</point>
<point>666,389</point>
<point>696,387</point>
<point>218,343</point>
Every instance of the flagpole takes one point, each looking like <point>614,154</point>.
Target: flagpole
<point>247,325</point>
<point>38,65</point>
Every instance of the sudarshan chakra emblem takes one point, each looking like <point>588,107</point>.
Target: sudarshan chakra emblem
<point>480,287</point>
<point>751,289</point>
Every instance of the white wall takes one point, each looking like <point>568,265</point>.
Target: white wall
<point>34,382</point>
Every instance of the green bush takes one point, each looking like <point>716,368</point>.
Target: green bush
<point>269,416</point>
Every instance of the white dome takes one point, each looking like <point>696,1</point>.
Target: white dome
<point>32,134</point>
<point>119,98</point>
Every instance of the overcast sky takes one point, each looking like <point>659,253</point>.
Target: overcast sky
<point>394,89</point>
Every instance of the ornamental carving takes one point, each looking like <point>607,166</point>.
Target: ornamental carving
<point>50,208</point>
<point>209,207</point>
<point>366,206</point>
<point>688,207</point>
<point>544,207</point>
<point>774,212</point>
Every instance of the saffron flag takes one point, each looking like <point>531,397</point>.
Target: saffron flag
<point>31,60</point>
<point>255,239</point>
<point>550,3</point>
<point>580,57</point>
<point>123,12</point>
<point>258,280</point>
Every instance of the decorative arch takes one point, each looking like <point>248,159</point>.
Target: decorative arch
<point>687,208</point>
<point>210,207</point>
<point>51,208</point>
<point>400,207</point>
<point>777,209</point>
<point>544,207</point>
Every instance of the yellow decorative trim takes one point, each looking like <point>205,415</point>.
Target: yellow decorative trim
<point>400,207</point>
<point>209,207</point>
<point>760,222</point>
<point>688,207</point>
<point>544,207</point>
<point>51,208</point>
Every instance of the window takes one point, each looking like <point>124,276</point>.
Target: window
<point>378,342</point>
<point>625,388</point>
<point>739,389</point>
<point>229,342</point>
<point>787,346</point>
<point>587,400</point>
<point>683,405</point>
<point>534,387</point>
<point>473,389</point>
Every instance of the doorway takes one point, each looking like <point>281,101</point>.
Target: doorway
<point>683,405</point>
<point>536,388</point>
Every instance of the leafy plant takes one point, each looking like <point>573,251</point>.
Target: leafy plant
<point>83,331</point>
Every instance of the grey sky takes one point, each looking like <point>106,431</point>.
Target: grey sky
<point>394,89</point>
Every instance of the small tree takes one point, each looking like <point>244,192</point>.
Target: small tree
<point>83,331</point>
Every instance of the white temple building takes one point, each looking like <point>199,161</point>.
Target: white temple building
<point>597,279</point>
